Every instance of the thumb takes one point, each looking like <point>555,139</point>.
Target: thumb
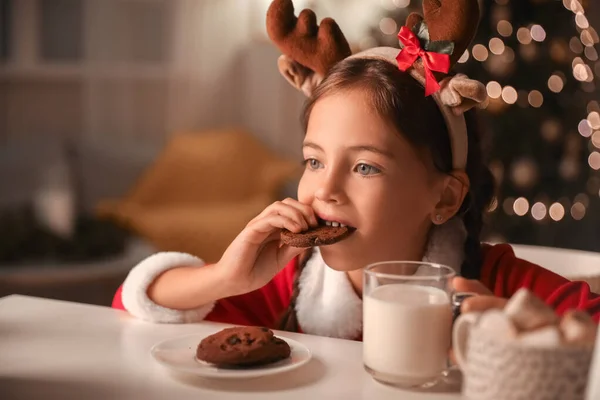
<point>287,252</point>
<point>471,286</point>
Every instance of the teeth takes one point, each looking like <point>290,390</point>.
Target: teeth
<point>334,224</point>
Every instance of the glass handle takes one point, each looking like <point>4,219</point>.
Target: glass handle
<point>457,300</point>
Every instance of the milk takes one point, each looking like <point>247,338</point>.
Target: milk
<point>406,332</point>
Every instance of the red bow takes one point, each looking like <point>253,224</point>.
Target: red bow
<point>431,61</point>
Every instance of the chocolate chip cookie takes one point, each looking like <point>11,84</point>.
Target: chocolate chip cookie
<point>242,347</point>
<point>319,236</point>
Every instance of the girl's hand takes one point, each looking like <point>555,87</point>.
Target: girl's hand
<point>256,255</point>
<point>484,300</point>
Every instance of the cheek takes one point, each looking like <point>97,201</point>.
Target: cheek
<point>305,193</point>
<point>406,205</point>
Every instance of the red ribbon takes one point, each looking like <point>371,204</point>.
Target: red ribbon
<point>431,61</point>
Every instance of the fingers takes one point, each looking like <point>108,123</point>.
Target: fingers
<point>306,210</point>
<point>267,224</point>
<point>286,253</point>
<point>301,214</point>
<point>482,303</point>
<point>470,286</point>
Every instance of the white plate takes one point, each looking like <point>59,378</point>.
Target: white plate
<point>179,354</point>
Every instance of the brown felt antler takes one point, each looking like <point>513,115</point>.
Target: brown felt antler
<point>309,50</point>
<point>449,20</point>
<point>315,47</point>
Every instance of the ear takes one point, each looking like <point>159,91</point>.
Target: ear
<point>454,190</point>
<point>299,76</point>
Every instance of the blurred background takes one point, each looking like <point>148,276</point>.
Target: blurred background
<point>131,126</point>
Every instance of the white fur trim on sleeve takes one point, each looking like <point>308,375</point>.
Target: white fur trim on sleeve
<point>134,294</point>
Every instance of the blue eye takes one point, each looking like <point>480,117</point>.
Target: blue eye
<point>313,163</point>
<point>366,169</point>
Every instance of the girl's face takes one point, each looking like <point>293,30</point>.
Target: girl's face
<point>362,173</point>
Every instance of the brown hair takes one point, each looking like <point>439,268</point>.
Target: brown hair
<point>399,99</point>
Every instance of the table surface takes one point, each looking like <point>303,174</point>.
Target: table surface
<point>54,349</point>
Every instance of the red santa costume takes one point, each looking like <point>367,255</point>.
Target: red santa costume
<point>327,304</point>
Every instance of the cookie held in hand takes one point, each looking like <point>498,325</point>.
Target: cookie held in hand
<point>319,236</point>
<point>242,347</point>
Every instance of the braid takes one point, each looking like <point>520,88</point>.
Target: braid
<point>478,199</point>
<point>289,320</point>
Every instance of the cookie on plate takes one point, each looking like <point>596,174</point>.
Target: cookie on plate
<point>242,347</point>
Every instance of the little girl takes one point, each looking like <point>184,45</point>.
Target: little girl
<point>390,150</point>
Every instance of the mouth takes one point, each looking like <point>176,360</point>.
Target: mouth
<point>334,222</point>
<point>323,222</point>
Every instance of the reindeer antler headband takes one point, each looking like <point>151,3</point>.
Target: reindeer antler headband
<point>429,47</point>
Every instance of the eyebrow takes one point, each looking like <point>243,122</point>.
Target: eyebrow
<point>358,148</point>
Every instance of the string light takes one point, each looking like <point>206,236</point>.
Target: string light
<point>577,61</point>
<point>594,119</point>
<point>464,58</point>
<point>521,206</point>
<point>538,33</point>
<point>496,46</point>
<point>573,5</point>
<point>596,139</point>
<point>594,160</point>
<point>578,211</point>
<point>583,73</point>
<point>509,95</point>
<point>524,36</point>
<point>581,21</point>
<point>557,211</point>
<point>494,205</point>
<point>538,211</point>
<point>494,89</point>
<point>536,99</point>
<point>401,3</point>
<point>586,38</point>
<point>593,106</point>
<point>388,26</point>
<point>593,34</point>
<point>575,45</point>
<point>584,128</point>
<point>555,83</point>
<point>591,53</point>
<point>504,28</point>
<point>480,52</point>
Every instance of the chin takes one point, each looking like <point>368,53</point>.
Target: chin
<point>341,258</point>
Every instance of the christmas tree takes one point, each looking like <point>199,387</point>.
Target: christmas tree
<point>539,61</point>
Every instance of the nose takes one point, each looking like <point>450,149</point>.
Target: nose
<point>330,188</point>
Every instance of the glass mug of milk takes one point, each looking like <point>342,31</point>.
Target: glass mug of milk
<point>407,322</point>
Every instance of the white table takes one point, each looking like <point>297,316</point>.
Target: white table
<point>57,350</point>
